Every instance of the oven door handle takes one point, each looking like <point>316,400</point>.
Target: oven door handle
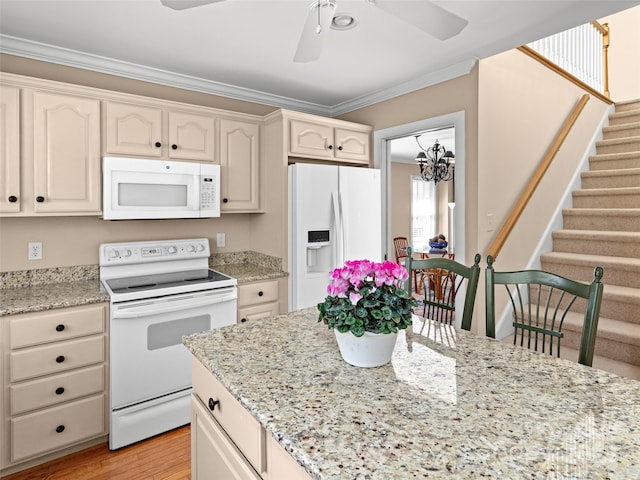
<point>171,306</point>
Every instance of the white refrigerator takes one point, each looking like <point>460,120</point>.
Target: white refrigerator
<point>334,216</point>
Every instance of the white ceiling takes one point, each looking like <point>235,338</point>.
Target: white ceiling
<point>244,48</point>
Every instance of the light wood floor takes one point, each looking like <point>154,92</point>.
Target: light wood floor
<point>164,457</point>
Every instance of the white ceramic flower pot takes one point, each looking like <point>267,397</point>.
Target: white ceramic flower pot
<point>370,350</point>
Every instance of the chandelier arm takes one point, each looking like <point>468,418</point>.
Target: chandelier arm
<point>419,144</point>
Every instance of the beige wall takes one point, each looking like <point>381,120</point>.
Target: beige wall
<point>401,201</point>
<point>624,54</point>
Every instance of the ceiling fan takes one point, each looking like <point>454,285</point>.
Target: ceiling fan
<point>425,15</point>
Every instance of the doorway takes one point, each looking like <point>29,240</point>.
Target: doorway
<point>382,160</point>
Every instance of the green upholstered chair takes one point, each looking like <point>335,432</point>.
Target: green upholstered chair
<point>541,302</point>
<point>442,278</point>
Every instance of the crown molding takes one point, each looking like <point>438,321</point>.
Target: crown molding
<point>72,58</point>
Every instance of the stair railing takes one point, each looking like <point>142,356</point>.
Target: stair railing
<point>510,222</point>
<point>581,54</point>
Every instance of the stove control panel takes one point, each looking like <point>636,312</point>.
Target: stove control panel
<point>153,251</point>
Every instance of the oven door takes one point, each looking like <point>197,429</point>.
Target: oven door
<point>147,357</point>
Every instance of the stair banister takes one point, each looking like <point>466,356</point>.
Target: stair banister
<point>510,222</point>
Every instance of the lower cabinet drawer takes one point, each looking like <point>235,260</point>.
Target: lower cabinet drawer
<point>57,427</point>
<point>56,357</point>
<point>242,428</point>
<point>281,465</point>
<point>260,292</point>
<point>51,390</point>
<point>257,312</point>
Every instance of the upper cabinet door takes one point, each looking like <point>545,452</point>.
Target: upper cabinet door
<point>351,145</point>
<point>133,130</point>
<point>9,149</point>
<point>66,153</point>
<point>191,136</point>
<point>310,139</point>
<point>239,168</point>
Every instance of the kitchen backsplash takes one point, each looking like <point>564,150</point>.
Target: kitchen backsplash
<point>254,258</point>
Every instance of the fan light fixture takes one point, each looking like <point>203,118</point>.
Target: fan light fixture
<point>436,162</point>
<point>343,21</point>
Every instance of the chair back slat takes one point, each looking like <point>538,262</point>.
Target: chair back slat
<point>441,278</point>
<point>541,302</point>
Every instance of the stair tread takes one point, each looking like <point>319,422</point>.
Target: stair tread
<point>601,260</point>
<point>611,172</point>
<point>634,212</point>
<point>622,126</point>
<point>614,235</point>
<point>624,332</point>
<point>607,191</point>
<point>616,141</point>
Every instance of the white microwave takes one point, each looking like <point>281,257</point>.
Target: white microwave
<point>142,189</point>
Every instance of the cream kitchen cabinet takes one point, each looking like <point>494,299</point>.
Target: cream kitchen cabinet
<point>10,151</point>
<point>57,169</point>
<point>150,131</point>
<point>239,164</point>
<point>258,300</point>
<point>325,140</point>
<point>227,441</point>
<point>54,381</point>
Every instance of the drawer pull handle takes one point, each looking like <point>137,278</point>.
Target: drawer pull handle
<point>59,390</point>
<point>60,358</point>
<point>60,428</point>
<point>13,199</point>
<point>213,403</point>
<point>59,328</point>
<point>260,293</point>
<point>39,199</point>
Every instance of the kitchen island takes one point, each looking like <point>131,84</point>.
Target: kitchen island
<point>451,404</point>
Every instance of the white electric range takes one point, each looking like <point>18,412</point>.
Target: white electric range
<point>159,291</point>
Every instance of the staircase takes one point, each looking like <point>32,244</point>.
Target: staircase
<point>603,228</point>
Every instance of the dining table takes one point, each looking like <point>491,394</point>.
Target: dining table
<point>451,404</point>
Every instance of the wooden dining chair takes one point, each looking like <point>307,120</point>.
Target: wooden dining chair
<point>541,302</point>
<point>401,244</point>
<point>443,278</point>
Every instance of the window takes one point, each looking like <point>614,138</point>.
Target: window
<point>423,213</point>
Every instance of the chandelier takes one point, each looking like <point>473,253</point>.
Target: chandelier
<point>436,162</point>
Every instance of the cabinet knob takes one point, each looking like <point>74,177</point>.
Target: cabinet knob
<point>213,403</point>
<point>59,327</point>
<point>59,391</point>
<point>174,147</point>
<point>60,428</point>
<point>243,320</point>
<point>225,200</point>
<point>340,148</point>
<point>39,199</point>
<point>12,199</point>
<point>260,293</point>
<point>330,147</point>
<point>158,144</point>
<point>60,358</point>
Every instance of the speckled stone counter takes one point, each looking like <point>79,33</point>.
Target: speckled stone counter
<point>47,289</point>
<point>451,404</point>
<point>247,266</point>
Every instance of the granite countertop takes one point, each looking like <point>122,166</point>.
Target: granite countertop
<point>451,404</point>
<point>247,266</point>
<point>37,298</point>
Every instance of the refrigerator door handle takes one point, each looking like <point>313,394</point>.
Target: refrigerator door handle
<point>339,241</point>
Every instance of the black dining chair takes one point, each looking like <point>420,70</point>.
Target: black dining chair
<point>441,279</point>
<point>541,302</point>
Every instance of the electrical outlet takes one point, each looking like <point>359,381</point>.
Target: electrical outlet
<point>220,239</point>
<point>35,250</point>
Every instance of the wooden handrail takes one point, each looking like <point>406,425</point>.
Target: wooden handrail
<point>508,225</point>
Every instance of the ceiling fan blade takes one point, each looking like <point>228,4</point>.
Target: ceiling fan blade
<point>184,4</point>
<point>315,28</point>
<point>427,16</point>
